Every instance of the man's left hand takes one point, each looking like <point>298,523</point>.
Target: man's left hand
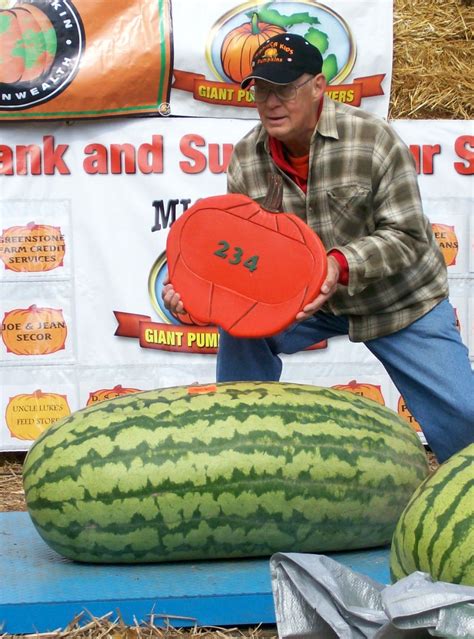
<point>328,289</point>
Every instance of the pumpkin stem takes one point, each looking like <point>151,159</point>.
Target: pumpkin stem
<point>255,27</point>
<point>274,197</point>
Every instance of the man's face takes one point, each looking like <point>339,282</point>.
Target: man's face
<point>292,121</point>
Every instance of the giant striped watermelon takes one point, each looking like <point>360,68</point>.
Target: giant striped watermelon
<point>435,533</point>
<point>235,470</point>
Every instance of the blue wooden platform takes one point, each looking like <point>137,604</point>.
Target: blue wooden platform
<point>41,591</point>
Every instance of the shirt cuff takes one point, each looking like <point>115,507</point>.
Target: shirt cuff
<point>343,266</point>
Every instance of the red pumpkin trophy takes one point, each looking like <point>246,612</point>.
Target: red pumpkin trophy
<point>244,267</point>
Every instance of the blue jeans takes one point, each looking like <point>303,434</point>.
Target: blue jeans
<point>426,361</point>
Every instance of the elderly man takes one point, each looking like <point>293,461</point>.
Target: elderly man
<point>351,178</point>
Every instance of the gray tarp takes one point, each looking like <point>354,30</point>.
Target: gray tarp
<point>315,596</point>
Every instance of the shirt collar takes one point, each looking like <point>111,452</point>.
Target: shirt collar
<point>327,125</point>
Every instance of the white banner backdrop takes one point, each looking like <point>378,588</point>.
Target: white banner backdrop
<point>212,49</point>
<point>85,210</point>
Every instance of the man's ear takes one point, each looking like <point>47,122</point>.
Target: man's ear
<point>319,85</point>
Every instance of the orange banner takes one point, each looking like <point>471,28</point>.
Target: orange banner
<point>229,94</point>
<point>167,337</point>
<point>171,337</point>
<point>211,91</point>
<point>85,59</point>
<point>353,92</point>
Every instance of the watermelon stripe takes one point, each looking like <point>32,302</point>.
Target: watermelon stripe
<point>397,569</point>
<point>148,424</point>
<point>463,531</point>
<point>215,549</point>
<point>465,574</point>
<point>326,444</point>
<point>308,506</point>
<point>160,476</point>
<point>295,510</point>
<point>327,528</point>
<point>323,449</point>
<point>183,538</point>
<point>421,539</point>
<point>308,413</point>
<point>238,482</point>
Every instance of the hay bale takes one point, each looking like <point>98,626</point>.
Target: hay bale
<point>433,60</point>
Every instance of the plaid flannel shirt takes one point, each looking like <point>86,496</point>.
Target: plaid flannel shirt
<point>362,199</point>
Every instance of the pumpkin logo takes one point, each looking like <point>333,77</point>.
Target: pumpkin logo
<point>32,248</point>
<point>241,43</point>
<point>270,53</point>
<point>28,415</point>
<point>369,391</point>
<point>236,36</point>
<point>109,393</point>
<point>41,44</point>
<point>447,240</point>
<point>407,416</point>
<point>34,331</point>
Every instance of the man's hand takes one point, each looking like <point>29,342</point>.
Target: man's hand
<point>328,289</point>
<point>172,299</point>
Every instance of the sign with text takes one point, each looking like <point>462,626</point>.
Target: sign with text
<point>84,58</point>
<point>355,40</point>
<point>89,58</point>
<point>84,218</point>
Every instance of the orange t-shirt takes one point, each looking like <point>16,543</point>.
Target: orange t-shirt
<point>300,166</point>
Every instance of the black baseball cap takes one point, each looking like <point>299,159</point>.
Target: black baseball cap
<point>284,58</point>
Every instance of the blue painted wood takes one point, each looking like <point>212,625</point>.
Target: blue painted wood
<point>42,591</point>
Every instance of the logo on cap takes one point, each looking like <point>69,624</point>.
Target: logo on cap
<point>270,53</point>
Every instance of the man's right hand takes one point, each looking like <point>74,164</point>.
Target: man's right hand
<point>172,299</point>
<point>328,289</point>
